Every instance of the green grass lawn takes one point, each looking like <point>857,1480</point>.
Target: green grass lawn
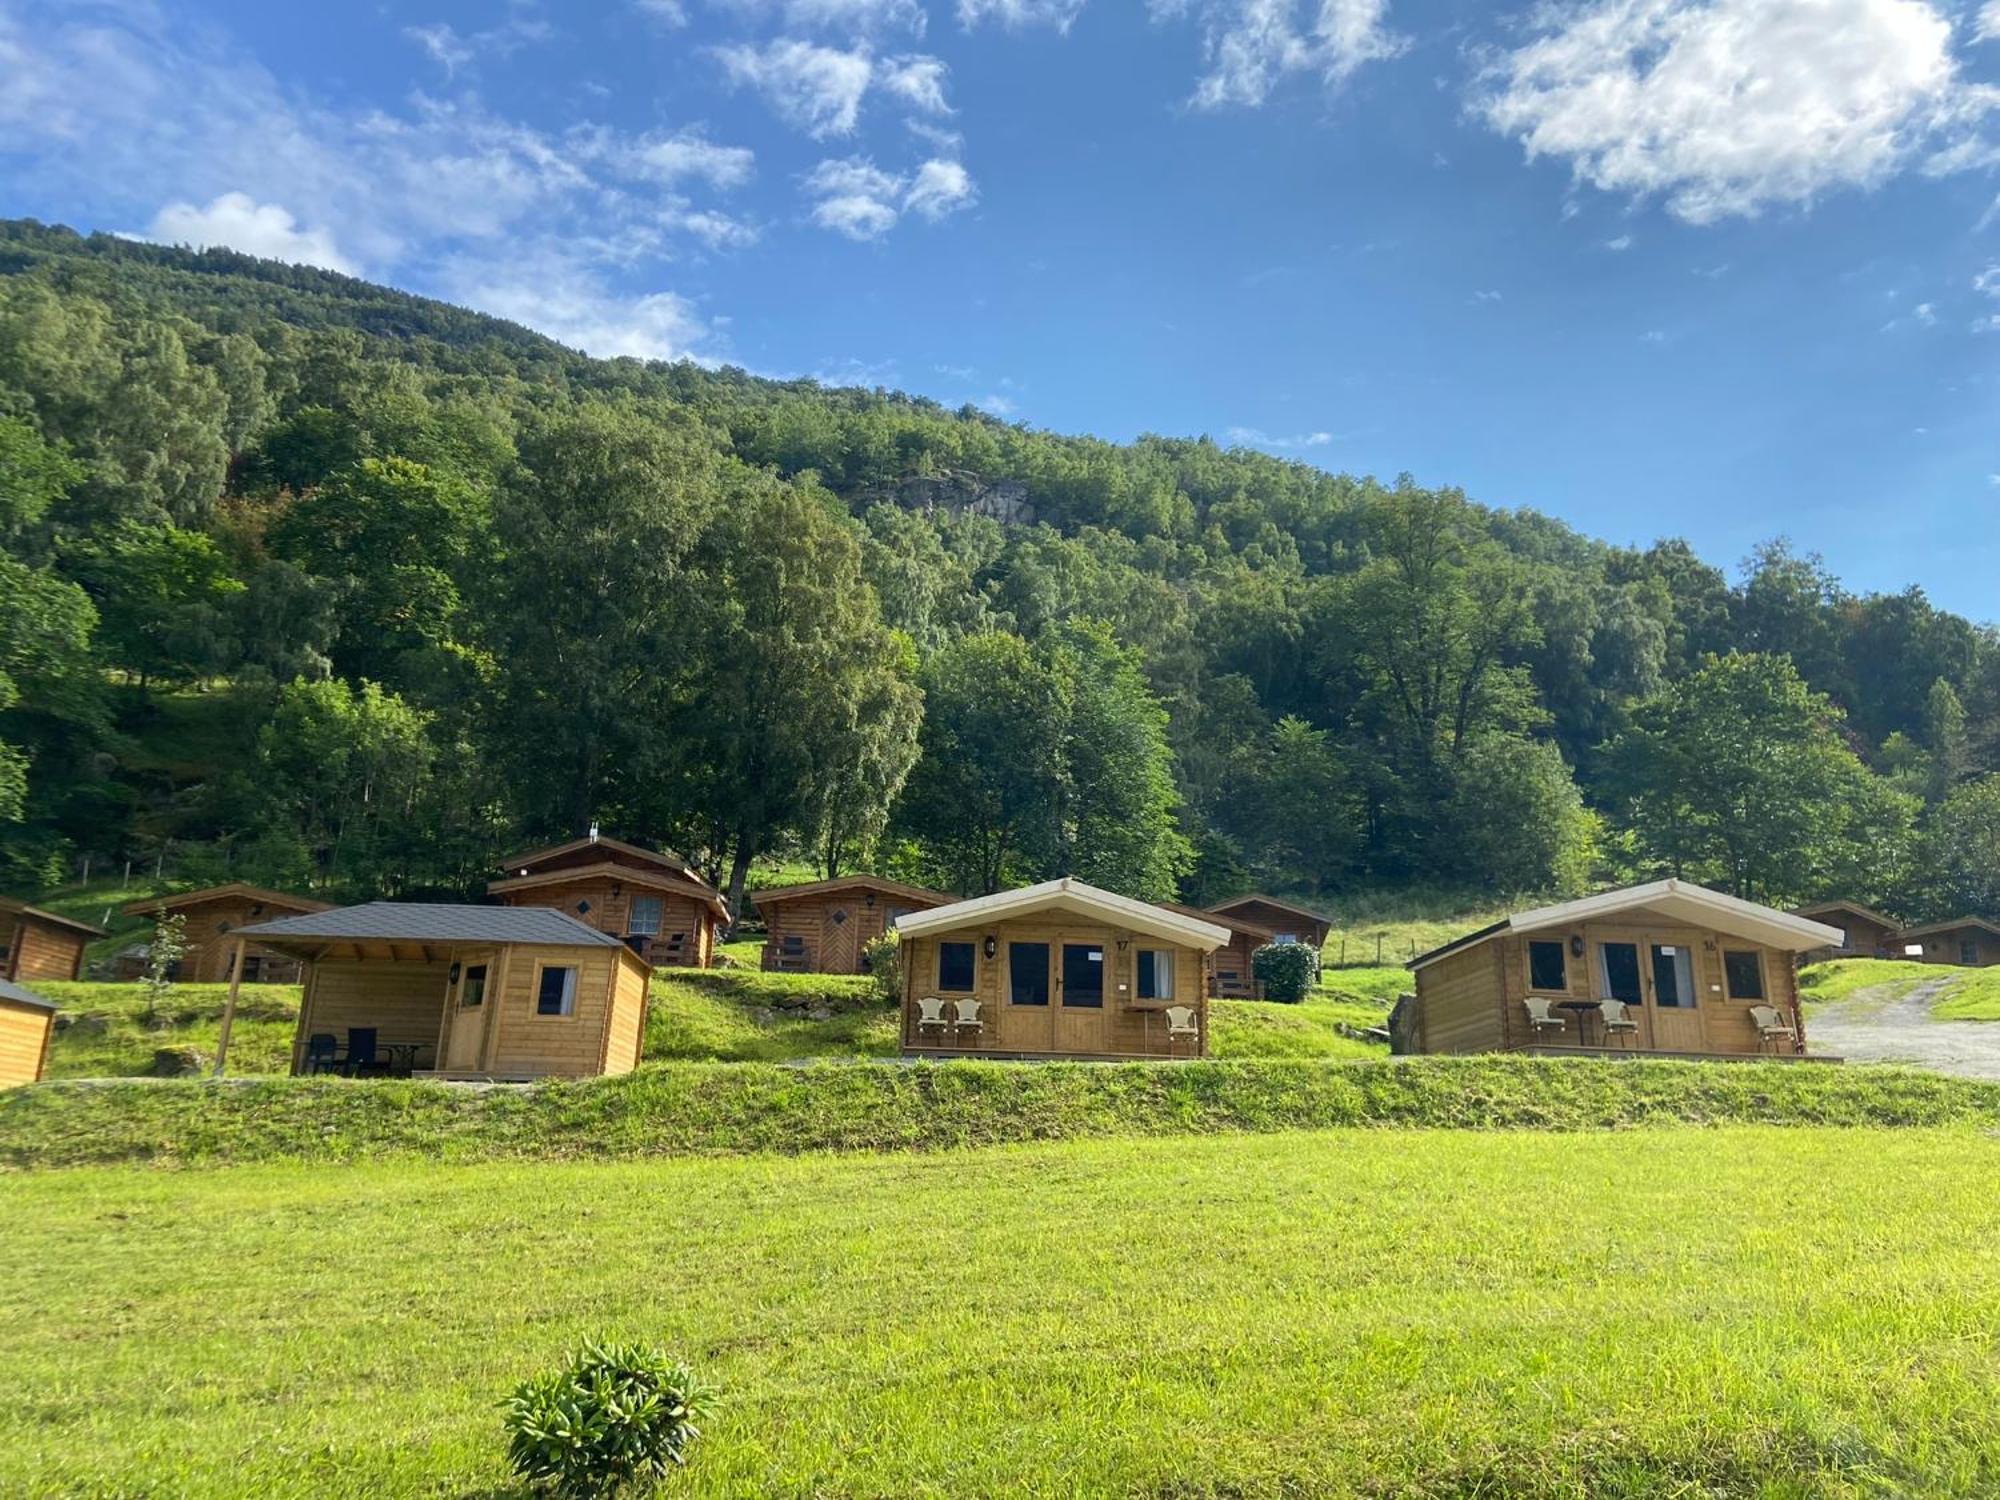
<point>1838,978</point>
<point>1771,1312</point>
<point>105,1033</point>
<point>1975,996</point>
<point>1401,928</point>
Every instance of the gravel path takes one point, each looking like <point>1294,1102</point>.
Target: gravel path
<point>1875,1025</point>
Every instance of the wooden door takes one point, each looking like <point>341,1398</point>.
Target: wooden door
<point>1027,1009</point>
<point>465,1048</point>
<point>1083,983</point>
<point>1620,974</point>
<point>839,952</point>
<point>1673,987</point>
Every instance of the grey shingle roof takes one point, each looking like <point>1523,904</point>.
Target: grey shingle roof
<point>417,922</point>
<point>25,997</point>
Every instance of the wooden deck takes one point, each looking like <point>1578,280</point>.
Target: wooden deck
<point>996,1054</point>
<point>1635,1053</point>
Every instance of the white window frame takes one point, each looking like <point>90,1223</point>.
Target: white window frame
<point>659,909</point>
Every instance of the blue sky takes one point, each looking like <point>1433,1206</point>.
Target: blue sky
<point>1714,268</point>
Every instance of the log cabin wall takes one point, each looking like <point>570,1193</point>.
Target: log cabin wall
<point>527,1044</point>
<point>610,910</point>
<point>1123,1027</point>
<point>210,946</point>
<point>36,949</point>
<point>404,1001</point>
<point>835,928</point>
<point>24,1041</point>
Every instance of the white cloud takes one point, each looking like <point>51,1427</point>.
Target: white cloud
<point>1653,336</point>
<point>856,198</point>
<point>1925,313</point>
<point>238,222</point>
<point>668,13</point>
<point>1256,437</point>
<point>442,44</point>
<point>1987,27</point>
<point>1486,296</point>
<point>672,159</point>
<point>1017,15</point>
<point>857,17</point>
<point>818,89</point>
<point>860,200</point>
<point>1249,47</point>
<point>939,188</point>
<point>917,80</point>
<point>1725,106</point>
<point>576,310</point>
<point>1620,242</point>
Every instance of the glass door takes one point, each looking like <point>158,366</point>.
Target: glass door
<point>1029,1020</point>
<point>1080,1017</point>
<point>1676,1004</point>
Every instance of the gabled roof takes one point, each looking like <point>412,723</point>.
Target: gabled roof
<point>1298,911</point>
<point>1853,908</point>
<point>220,892</point>
<point>1071,895</point>
<point>777,895</point>
<point>1956,922</point>
<point>660,880</point>
<point>1679,900</point>
<point>665,859</point>
<point>14,992</point>
<point>1234,924</point>
<point>22,909</point>
<point>419,922</point>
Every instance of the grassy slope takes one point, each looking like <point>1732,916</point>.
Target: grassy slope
<point>1779,1312</point>
<point>108,1037</point>
<point>676,1109</point>
<point>1972,994</point>
<point>1975,997</point>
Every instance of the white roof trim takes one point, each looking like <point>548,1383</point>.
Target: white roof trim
<point>1682,900</point>
<point>1068,894</point>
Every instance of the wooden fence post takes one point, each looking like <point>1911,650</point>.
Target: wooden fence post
<point>229,1008</point>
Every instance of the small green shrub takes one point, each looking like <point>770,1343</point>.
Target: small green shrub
<point>1288,971</point>
<point>615,1414</point>
<point>882,961</point>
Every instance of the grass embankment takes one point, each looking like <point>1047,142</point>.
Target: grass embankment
<point>1974,996</point>
<point>103,1031</point>
<point>1401,926</point>
<point>1968,994</point>
<point>679,1109</point>
<point>1751,1311</point>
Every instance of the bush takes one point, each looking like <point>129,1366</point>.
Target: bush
<point>882,961</point>
<point>614,1414</point>
<point>1288,971</point>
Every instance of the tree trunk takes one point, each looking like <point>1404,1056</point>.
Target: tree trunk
<point>739,869</point>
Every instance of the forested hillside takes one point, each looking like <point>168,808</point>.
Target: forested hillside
<point>312,583</point>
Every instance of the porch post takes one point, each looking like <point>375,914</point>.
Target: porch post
<point>229,1010</point>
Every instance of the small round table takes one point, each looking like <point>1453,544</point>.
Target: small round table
<point>1583,1010</point>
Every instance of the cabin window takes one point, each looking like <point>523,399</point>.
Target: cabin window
<point>1548,967</point>
<point>1968,952</point>
<point>647,914</point>
<point>1028,973</point>
<point>472,988</point>
<point>1743,970</point>
<point>1673,976</point>
<point>556,994</point>
<point>1156,974</point>
<point>1284,937</point>
<point>955,966</point>
<point>1082,976</point>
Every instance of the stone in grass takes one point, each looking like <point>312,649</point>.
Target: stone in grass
<point>177,1062</point>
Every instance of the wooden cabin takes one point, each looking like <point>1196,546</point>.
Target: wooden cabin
<point>37,944</point>
<point>1285,922</point>
<point>651,900</point>
<point>1228,971</point>
<point>1969,942</point>
<point>210,915</point>
<point>825,926</point>
<point>1688,962</point>
<point>1060,969</point>
<point>1864,932</point>
<point>26,1022</point>
<point>491,992</point>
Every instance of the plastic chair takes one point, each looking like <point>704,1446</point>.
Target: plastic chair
<point>322,1053</point>
<point>1181,1026</point>
<point>1771,1027</point>
<point>966,1016</point>
<point>1617,1018</point>
<point>930,1015</point>
<point>1542,1018</point>
<point>361,1051</point>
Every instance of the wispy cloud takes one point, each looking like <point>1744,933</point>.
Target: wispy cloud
<point>856,198</point>
<point>1256,437</point>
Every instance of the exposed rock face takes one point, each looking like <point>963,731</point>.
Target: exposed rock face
<point>1005,500</point>
<point>177,1062</point>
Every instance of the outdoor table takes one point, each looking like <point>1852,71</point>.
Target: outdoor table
<point>1583,1010</point>
<point>403,1056</point>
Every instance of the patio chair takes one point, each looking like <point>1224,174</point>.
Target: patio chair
<point>1772,1028</point>
<point>361,1052</point>
<point>322,1053</point>
<point>965,1017</point>
<point>930,1016</point>
<point>1541,1018</point>
<point>792,955</point>
<point>1617,1017</point>
<point>1182,1026</point>
<point>672,951</point>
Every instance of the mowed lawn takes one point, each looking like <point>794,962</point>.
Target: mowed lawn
<point>1680,1311</point>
